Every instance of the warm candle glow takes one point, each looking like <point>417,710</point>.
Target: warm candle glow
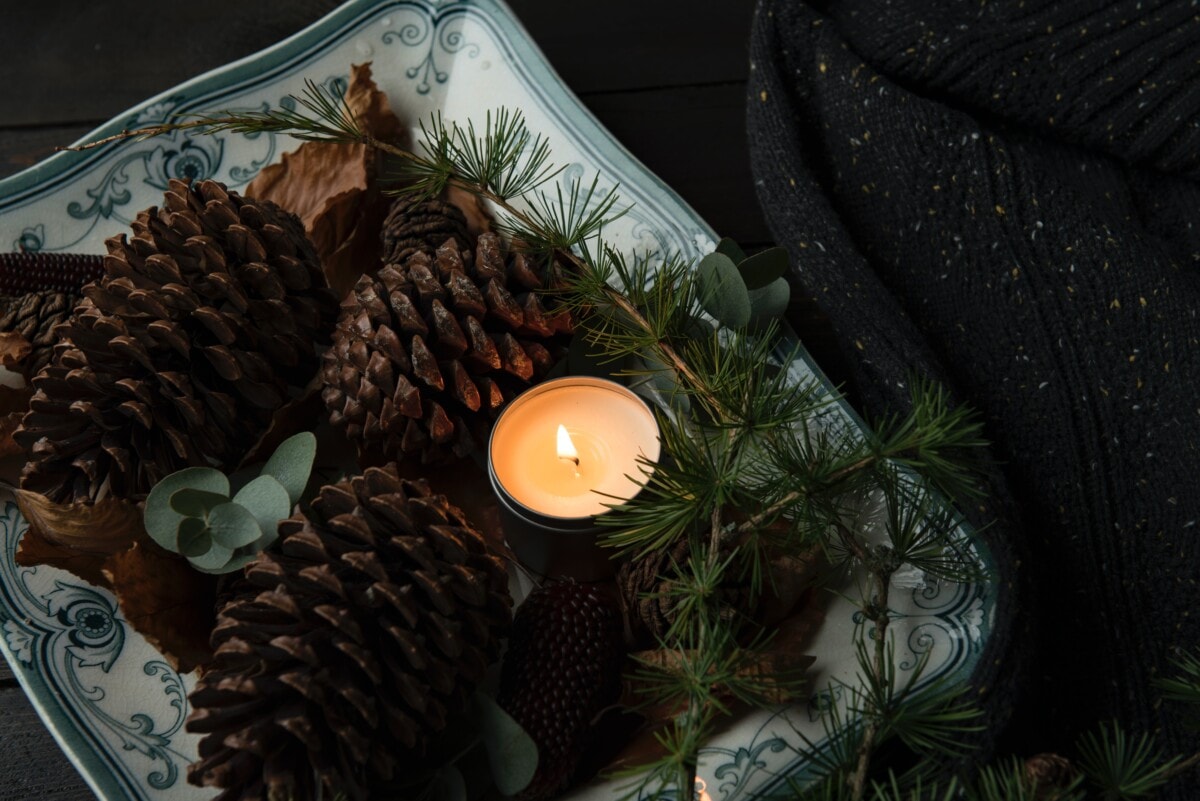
<point>566,448</point>
<point>601,433</point>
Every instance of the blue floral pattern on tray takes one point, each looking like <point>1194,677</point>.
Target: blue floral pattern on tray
<point>116,707</point>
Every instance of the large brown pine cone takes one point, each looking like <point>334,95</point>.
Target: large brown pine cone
<point>202,325</point>
<point>427,352</point>
<point>353,642</point>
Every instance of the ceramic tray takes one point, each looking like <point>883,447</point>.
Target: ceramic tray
<point>112,702</point>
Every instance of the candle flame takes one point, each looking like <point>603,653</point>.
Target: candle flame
<point>566,448</point>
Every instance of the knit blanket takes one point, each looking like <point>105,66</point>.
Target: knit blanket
<point>1003,195</point>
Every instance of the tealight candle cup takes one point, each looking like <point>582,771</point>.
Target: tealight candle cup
<point>550,504</point>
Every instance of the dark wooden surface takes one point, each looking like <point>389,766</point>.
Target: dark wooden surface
<point>665,76</point>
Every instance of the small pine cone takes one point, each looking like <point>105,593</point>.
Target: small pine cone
<point>644,586</point>
<point>426,353</point>
<point>34,316</point>
<point>1049,775</point>
<point>25,272</point>
<point>562,668</point>
<point>421,225</point>
<point>201,328</point>
<point>348,645</point>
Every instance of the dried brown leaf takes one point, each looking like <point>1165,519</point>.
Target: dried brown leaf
<point>332,187</point>
<point>479,219</point>
<point>77,537</point>
<point>166,601</point>
<point>14,349</point>
<point>789,580</point>
<point>298,414</point>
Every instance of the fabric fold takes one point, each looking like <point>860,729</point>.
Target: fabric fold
<point>1045,271</point>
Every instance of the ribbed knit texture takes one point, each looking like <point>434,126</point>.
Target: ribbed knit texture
<point>1002,195</point>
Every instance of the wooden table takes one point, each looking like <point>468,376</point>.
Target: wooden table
<point>667,77</point>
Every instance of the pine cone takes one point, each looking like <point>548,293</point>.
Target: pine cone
<point>180,354</point>
<point>1049,776</point>
<point>562,668</point>
<point>353,642</point>
<point>426,353</point>
<point>414,224</point>
<point>644,586</point>
<point>34,316</point>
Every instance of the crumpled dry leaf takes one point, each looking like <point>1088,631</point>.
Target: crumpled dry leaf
<point>166,601</point>
<point>479,219</point>
<point>77,537</point>
<point>14,349</point>
<point>301,413</point>
<point>332,187</point>
<point>105,544</point>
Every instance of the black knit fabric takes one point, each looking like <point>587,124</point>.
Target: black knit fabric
<point>1003,195</point>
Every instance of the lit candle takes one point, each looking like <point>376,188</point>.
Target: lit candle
<point>560,455</point>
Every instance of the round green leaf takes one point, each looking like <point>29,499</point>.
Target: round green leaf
<point>235,562</point>
<point>722,291</point>
<point>763,268</point>
<point>292,462</point>
<point>770,302</point>
<point>193,538</point>
<point>511,752</point>
<point>727,247</point>
<point>162,522</point>
<point>196,502</point>
<point>233,526</point>
<point>217,556</point>
<point>268,501</point>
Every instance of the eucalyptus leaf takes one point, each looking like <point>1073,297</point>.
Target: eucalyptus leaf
<point>162,522</point>
<point>216,557</point>
<point>291,464</point>
<point>196,502</point>
<point>233,526</point>
<point>727,247</point>
<point>722,291</point>
<point>511,751</point>
<point>235,562</point>
<point>193,538</point>
<point>268,501</point>
<point>762,268</point>
<point>769,302</point>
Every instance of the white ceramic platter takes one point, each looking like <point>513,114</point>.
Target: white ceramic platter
<point>112,702</point>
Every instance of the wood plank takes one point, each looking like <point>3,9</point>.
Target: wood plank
<point>23,147</point>
<point>32,765</point>
<point>694,139</point>
<point>634,44</point>
<point>66,61</point>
